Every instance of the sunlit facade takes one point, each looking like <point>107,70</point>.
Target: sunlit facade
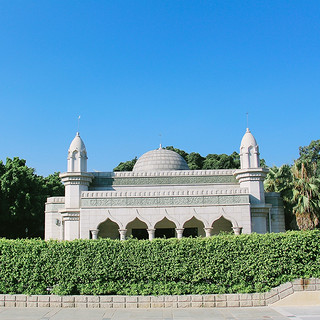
<point>161,197</point>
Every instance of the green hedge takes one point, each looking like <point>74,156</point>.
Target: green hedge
<point>220,264</point>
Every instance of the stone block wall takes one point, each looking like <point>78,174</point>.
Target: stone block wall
<point>168,301</point>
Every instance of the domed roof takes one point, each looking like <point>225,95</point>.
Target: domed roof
<point>77,145</point>
<point>160,160</point>
<point>248,140</point>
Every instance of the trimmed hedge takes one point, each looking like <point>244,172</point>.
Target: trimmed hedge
<point>220,264</point>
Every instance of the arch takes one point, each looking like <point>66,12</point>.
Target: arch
<point>143,219</point>
<point>227,217</point>
<point>114,219</point>
<point>193,228</point>
<point>201,218</point>
<point>221,225</point>
<point>171,218</point>
<point>108,229</point>
<point>137,229</point>
<point>165,228</point>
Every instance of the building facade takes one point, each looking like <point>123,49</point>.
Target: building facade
<point>161,197</point>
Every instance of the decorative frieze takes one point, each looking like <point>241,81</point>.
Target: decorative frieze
<point>122,174</point>
<point>101,181</point>
<point>165,201</point>
<point>163,193</point>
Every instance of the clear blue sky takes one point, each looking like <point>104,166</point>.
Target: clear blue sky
<point>133,69</point>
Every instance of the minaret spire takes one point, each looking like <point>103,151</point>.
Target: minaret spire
<point>247,114</point>
<point>78,126</point>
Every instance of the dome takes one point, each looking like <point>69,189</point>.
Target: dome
<point>160,160</point>
<point>77,145</point>
<point>248,140</point>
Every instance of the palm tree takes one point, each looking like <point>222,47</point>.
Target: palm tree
<point>280,179</point>
<point>305,194</point>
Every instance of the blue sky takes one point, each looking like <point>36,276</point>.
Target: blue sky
<point>189,70</point>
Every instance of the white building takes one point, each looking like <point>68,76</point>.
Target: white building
<point>162,197</point>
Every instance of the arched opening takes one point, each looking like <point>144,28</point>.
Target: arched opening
<point>221,225</point>
<point>165,229</point>
<point>193,228</point>
<point>108,229</point>
<point>137,229</point>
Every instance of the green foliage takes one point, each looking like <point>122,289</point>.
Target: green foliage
<point>53,186</point>
<point>222,161</point>
<point>22,198</point>
<point>311,154</point>
<point>220,264</point>
<point>299,187</point>
<point>306,194</point>
<point>126,166</point>
<point>279,179</point>
<point>195,161</point>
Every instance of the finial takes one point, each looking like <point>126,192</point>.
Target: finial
<point>247,113</point>
<point>160,141</point>
<point>78,125</point>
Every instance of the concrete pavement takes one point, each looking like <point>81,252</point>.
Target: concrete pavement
<point>256,313</point>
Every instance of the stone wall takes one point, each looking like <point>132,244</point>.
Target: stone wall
<point>173,301</point>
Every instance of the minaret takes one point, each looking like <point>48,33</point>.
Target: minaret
<point>251,176</point>
<point>249,151</point>
<point>76,180</point>
<point>77,155</point>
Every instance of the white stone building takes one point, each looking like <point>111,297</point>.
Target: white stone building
<point>162,197</point>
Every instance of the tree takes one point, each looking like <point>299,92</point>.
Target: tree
<point>311,153</point>
<point>221,161</point>
<point>299,188</point>
<point>21,198</point>
<point>236,159</point>
<point>281,180</point>
<point>263,163</point>
<point>23,195</point>
<point>195,161</point>
<point>306,194</point>
<point>53,186</point>
<point>126,166</point>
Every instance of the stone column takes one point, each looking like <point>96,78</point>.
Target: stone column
<point>179,232</point>
<point>237,230</point>
<point>151,233</point>
<point>122,234</point>
<point>71,221</point>
<point>94,234</point>
<point>208,231</point>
